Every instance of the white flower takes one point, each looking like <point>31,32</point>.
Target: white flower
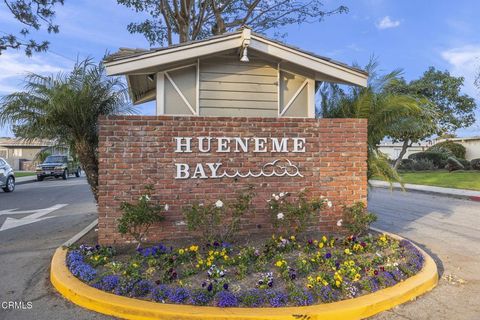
<point>339,223</point>
<point>280,216</point>
<point>273,195</point>
<point>200,205</point>
<point>329,204</point>
<point>322,197</point>
<point>277,198</point>
<point>219,204</point>
<point>281,194</point>
<point>166,207</point>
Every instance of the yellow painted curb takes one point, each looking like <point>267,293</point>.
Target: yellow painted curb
<point>127,308</point>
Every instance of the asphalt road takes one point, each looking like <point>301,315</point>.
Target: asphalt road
<point>26,251</point>
<point>448,228</point>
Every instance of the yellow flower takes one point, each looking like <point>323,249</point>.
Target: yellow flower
<point>315,242</point>
<point>197,265</point>
<point>324,282</point>
<point>357,277</point>
<point>210,252</point>
<point>134,265</point>
<point>225,257</point>
<point>319,279</point>
<point>309,286</point>
<point>351,263</point>
<point>193,248</point>
<point>278,263</point>
<point>320,245</point>
<point>209,264</point>
<point>216,253</point>
<point>324,239</point>
<point>304,261</point>
<point>347,251</point>
<point>292,238</point>
<point>337,283</point>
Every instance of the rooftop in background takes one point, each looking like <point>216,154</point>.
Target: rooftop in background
<point>18,142</point>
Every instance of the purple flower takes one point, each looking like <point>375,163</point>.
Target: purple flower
<point>110,282</point>
<point>328,255</point>
<point>301,297</point>
<point>225,286</point>
<point>178,295</point>
<point>160,293</point>
<point>276,298</point>
<point>327,294</point>
<point>252,298</point>
<point>200,297</point>
<point>124,287</point>
<point>226,299</point>
<point>142,288</point>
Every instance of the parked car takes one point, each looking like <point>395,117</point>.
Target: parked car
<point>7,176</point>
<point>58,166</point>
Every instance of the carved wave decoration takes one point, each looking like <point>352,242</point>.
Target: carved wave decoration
<point>274,168</point>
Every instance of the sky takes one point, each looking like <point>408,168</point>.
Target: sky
<point>410,35</point>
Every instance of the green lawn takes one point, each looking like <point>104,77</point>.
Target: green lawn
<point>442,178</point>
<point>19,174</point>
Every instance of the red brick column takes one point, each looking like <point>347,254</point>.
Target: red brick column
<point>139,150</point>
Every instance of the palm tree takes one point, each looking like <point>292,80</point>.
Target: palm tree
<point>65,107</point>
<point>382,109</point>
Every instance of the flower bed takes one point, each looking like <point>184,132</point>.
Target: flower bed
<point>275,272</point>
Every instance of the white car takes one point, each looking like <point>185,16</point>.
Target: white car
<point>7,176</point>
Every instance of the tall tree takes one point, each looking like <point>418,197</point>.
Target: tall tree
<point>455,110</point>
<point>382,109</point>
<point>186,20</point>
<point>33,15</point>
<point>65,107</point>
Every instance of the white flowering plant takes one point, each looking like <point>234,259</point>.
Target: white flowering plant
<point>219,220</point>
<point>137,218</point>
<point>290,215</point>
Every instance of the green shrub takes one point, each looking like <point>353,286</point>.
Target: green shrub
<point>475,164</point>
<point>422,165</point>
<point>465,163</point>
<point>453,164</point>
<point>439,159</point>
<point>450,148</point>
<point>218,221</point>
<point>406,164</point>
<point>292,215</point>
<point>138,218</point>
<point>356,219</point>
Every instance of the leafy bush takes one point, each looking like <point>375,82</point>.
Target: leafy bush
<point>218,221</point>
<point>138,218</point>
<point>453,164</point>
<point>475,164</point>
<point>406,164</point>
<point>293,215</point>
<point>439,159</point>
<point>356,219</point>
<point>422,165</point>
<point>465,163</point>
<point>449,148</point>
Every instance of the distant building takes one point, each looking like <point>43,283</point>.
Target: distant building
<point>392,150</point>
<point>18,152</point>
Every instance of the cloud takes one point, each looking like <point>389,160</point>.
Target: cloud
<point>14,65</point>
<point>387,23</point>
<point>465,61</point>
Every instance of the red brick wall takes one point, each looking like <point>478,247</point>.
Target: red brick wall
<point>139,150</point>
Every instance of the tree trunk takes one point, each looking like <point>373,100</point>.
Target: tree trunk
<point>87,154</point>
<point>402,153</point>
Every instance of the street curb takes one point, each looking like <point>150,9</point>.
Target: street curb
<point>430,192</point>
<point>25,181</point>
<point>79,235</point>
<point>127,308</point>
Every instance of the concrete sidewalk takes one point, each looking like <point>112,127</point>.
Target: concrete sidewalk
<point>448,192</point>
<point>27,179</point>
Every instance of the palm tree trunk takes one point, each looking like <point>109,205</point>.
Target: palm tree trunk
<point>87,154</point>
